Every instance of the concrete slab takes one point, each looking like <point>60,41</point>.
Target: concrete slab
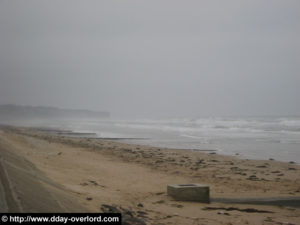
<point>189,192</point>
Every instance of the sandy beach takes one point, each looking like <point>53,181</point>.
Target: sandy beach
<point>69,174</point>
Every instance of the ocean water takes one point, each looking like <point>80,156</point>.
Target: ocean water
<point>247,137</point>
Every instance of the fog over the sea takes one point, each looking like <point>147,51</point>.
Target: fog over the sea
<point>152,58</point>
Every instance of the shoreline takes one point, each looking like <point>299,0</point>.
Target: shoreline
<point>128,175</point>
<point>135,141</point>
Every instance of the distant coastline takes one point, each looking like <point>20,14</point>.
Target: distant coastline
<point>10,111</point>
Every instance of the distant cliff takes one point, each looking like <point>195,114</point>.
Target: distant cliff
<point>40,112</point>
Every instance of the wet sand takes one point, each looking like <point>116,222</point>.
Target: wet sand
<point>103,175</point>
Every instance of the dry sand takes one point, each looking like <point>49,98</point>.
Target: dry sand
<point>83,174</point>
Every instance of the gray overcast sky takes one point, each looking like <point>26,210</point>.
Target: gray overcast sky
<point>152,58</point>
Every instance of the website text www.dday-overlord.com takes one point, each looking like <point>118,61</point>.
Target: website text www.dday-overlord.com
<point>62,218</point>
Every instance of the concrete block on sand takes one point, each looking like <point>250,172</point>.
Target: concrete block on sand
<point>189,192</point>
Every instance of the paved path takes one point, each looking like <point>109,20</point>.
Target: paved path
<point>23,188</point>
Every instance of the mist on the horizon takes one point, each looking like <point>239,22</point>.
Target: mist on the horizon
<point>152,58</point>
